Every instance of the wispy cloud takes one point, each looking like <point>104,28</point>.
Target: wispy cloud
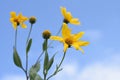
<point>93,72</point>
<point>105,70</point>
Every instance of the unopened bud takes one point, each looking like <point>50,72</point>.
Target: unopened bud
<point>46,34</point>
<point>32,20</point>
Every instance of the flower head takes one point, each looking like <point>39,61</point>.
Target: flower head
<point>69,39</point>
<point>68,18</point>
<point>18,20</point>
<point>46,34</point>
<point>32,20</point>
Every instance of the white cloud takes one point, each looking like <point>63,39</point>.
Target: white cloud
<point>93,72</point>
<point>73,72</point>
<point>100,72</point>
<point>107,69</point>
<point>13,77</point>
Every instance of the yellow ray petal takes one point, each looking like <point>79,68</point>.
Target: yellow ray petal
<point>56,38</point>
<point>23,25</point>
<point>63,11</point>
<point>65,47</point>
<point>20,15</point>
<point>78,35</point>
<point>24,18</point>
<point>81,43</point>
<point>14,25</point>
<point>77,47</point>
<point>13,14</point>
<point>75,21</point>
<point>66,32</point>
<point>11,19</point>
<point>81,50</point>
<point>69,16</point>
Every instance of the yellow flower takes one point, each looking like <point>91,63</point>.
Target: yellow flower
<point>69,39</point>
<point>17,20</point>
<point>68,18</point>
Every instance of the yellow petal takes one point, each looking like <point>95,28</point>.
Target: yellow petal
<point>25,18</point>
<point>69,16</point>
<point>56,38</point>
<point>78,35</point>
<point>13,14</point>
<point>81,43</point>
<point>14,25</point>
<point>75,21</point>
<point>81,50</point>
<point>66,32</point>
<point>23,25</point>
<point>65,47</point>
<point>11,19</point>
<point>20,15</point>
<point>63,11</point>
<point>77,47</point>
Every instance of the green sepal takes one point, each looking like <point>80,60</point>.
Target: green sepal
<point>16,59</point>
<point>28,46</point>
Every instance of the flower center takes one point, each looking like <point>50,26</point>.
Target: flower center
<point>66,21</point>
<point>69,42</point>
<point>16,20</point>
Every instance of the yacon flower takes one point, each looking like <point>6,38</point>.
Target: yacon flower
<point>18,20</point>
<point>69,39</point>
<point>68,18</point>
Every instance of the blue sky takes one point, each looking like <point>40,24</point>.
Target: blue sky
<point>100,19</point>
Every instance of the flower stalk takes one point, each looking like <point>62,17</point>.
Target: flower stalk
<point>58,67</point>
<point>15,38</point>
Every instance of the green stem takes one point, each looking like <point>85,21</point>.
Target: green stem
<point>57,69</point>
<point>27,54</point>
<point>15,38</point>
<point>45,77</point>
<point>62,60</point>
<point>29,34</point>
<point>44,70</point>
<point>39,56</point>
<point>26,66</point>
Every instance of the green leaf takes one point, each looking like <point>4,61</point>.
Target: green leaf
<point>50,62</point>
<point>34,69</point>
<point>37,66</point>
<point>28,46</point>
<point>46,59</point>
<point>45,45</point>
<point>16,58</point>
<point>32,73</point>
<point>37,77</point>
